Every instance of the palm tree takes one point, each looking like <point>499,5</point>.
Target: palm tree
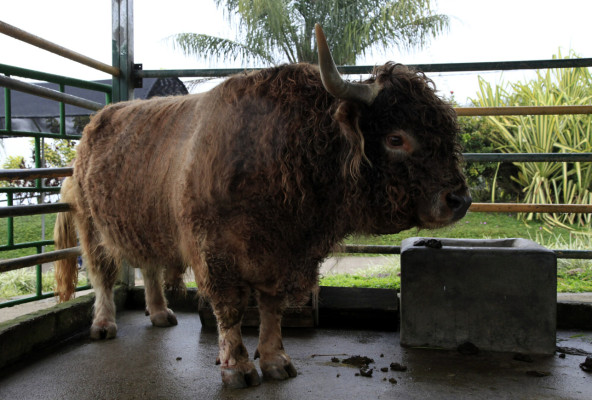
<point>275,31</point>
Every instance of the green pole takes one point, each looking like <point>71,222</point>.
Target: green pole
<point>62,112</point>
<point>7,110</point>
<point>10,221</point>
<point>123,49</point>
<point>123,88</point>
<point>39,280</point>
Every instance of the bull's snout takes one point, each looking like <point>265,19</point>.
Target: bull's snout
<point>459,203</point>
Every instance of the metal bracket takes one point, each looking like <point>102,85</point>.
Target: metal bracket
<point>137,81</point>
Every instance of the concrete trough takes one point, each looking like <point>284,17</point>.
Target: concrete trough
<point>499,295</point>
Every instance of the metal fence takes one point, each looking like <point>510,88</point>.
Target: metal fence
<point>38,174</point>
<point>125,73</point>
<point>121,89</point>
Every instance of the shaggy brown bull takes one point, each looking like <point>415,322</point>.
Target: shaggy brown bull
<point>252,184</point>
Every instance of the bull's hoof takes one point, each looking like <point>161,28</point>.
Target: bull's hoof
<point>278,372</point>
<point>102,331</point>
<point>235,379</point>
<point>276,366</point>
<point>163,318</point>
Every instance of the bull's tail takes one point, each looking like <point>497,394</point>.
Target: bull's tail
<point>64,236</point>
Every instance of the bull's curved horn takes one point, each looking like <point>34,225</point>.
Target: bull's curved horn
<point>332,81</point>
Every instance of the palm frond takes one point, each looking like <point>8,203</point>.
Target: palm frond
<point>284,29</point>
<point>212,48</point>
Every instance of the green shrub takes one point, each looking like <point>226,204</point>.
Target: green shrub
<point>546,182</point>
<point>482,176</point>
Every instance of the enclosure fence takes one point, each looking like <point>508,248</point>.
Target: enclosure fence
<point>120,90</point>
<point>126,75</point>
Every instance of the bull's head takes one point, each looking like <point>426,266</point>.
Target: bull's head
<point>409,139</point>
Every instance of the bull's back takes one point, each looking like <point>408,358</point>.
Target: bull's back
<point>128,164</point>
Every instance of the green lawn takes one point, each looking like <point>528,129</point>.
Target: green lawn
<point>572,275</point>
<point>26,229</point>
<point>480,226</point>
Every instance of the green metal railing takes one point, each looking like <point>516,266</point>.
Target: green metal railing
<point>121,89</point>
<point>494,157</point>
<point>37,174</point>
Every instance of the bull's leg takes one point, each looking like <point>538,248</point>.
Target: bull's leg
<point>156,304</point>
<point>101,267</point>
<point>103,272</point>
<point>229,306</point>
<point>274,362</point>
<point>173,279</point>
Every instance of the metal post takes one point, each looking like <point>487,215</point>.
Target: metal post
<point>123,49</point>
<point>7,110</point>
<point>123,88</point>
<point>39,274</point>
<point>10,221</point>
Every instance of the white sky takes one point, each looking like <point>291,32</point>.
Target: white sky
<point>480,30</point>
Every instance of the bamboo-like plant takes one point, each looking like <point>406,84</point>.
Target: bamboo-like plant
<point>546,182</point>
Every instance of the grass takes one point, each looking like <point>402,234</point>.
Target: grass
<point>22,282</point>
<point>572,275</point>
<point>478,226</point>
<point>384,276</point>
<point>26,229</point>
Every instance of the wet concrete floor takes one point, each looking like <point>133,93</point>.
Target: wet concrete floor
<point>145,362</point>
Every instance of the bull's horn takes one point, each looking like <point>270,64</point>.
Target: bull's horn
<point>333,82</point>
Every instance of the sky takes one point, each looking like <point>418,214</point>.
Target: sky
<point>480,30</point>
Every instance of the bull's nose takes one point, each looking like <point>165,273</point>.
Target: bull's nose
<point>459,204</point>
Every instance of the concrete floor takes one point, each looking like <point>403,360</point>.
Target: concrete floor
<point>145,362</point>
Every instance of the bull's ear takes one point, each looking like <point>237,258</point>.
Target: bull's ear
<point>348,116</point>
<point>332,81</point>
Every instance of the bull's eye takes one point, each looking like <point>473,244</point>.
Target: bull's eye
<point>395,141</point>
<point>400,144</point>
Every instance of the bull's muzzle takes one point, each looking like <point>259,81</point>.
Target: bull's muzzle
<point>459,202</point>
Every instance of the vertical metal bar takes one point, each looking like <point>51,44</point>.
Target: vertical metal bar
<point>123,49</point>
<point>39,280</point>
<point>38,159</point>
<point>62,112</point>
<point>10,221</point>
<point>123,88</point>
<point>7,110</point>
<point>38,164</point>
<point>9,198</point>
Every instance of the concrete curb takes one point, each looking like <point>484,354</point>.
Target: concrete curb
<point>574,315</point>
<point>379,308</point>
<point>43,329</point>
